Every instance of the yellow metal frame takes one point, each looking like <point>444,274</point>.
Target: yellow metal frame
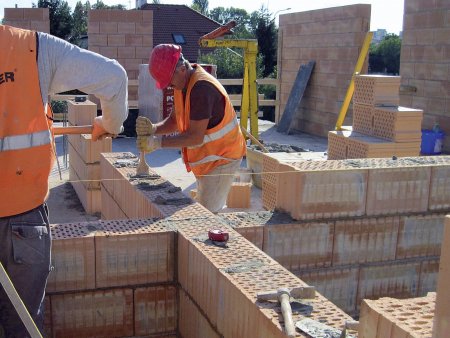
<point>351,87</point>
<point>249,104</point>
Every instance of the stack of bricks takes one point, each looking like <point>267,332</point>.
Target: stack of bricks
<point>381,128</point>
<point>112,278</point>
<point>36,19</point>
<point>126,36</point>
<point>395,318</point>
<point>84,156</point>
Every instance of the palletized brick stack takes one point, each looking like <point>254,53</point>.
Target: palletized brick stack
<point>381,128</point>
<point>84,156</point>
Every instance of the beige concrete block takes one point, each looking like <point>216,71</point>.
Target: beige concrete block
<point>81,113</point>
<point>103,313</point>
<point>108,27</point>
<point>155,310</point>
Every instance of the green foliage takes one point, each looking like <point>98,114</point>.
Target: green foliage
<point>61,21</point>
<point>225,15</point>
<point>58,107</point>
<point>266,33</point>
<point>385,57</point>
<point>80,20</point>
<point>101,5</point>
<point>200,6</point>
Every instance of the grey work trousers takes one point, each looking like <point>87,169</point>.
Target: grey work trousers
<point>213,189</point>
<point>25,245</point>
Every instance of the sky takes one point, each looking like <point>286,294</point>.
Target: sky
<point>386,14</point>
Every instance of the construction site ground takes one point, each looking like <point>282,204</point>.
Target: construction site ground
<point>65,206</point>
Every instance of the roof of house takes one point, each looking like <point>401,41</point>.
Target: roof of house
<point>180,19</point>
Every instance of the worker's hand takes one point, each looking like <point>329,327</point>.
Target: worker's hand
<point>98,132</point>
<point>147,144</point>
<point>144,127</point>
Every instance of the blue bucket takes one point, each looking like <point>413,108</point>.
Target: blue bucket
<point>432,142</point>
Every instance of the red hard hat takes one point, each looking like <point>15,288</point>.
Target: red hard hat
<point>163,61</point>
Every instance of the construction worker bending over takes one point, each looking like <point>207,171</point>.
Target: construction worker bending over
<point>32,66</point>
<point>209,133</point>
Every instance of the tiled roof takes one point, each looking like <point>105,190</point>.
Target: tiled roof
<point>172,19</point>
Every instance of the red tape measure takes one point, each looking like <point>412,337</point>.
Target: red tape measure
<point>218,235</point>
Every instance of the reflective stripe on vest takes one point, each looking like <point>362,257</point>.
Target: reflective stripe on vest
<point>17,142</point>
<point>211,158</point>
<point>218,134</point>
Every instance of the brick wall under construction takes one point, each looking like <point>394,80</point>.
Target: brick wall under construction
<point>425,60</point>
<point>126,36</point>
<point>333,38</point>
<point>28,18</point>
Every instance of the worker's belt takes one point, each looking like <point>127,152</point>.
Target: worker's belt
<point>218,134</point>
<point>24,141</point>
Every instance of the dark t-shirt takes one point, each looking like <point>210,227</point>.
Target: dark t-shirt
<point>207,103</point>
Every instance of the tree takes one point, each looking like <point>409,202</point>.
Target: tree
<point>224,15</point>
<point>80,19</point>
<point>200,6</point>
<point>61,21</point>
<point>385,57</point>
<point>266,33</point>
<point>101,5</point>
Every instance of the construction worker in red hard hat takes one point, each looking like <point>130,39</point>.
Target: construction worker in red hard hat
<point>34,65</point>
<point>208,130</point>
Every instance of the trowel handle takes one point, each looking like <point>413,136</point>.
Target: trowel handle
<point>73,130</point>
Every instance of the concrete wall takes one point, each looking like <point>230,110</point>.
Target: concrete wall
<point>425,61</point>
<point>333,38</point>
<point>29,18</point>
<point>126,36</point>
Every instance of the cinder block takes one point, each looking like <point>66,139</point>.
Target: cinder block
<point>429,270</point>
<point>108,27</point>
<point>73,257</point>
<point>239,195</point>
<point>300,245</point>
<point>110,209</point>
<point>358,241</point>
<point>81,113</point>
<point>191,322</point>
<point>338,285</point>
<point>381,280</point>
<point>134,252</point>
<point>439,188</point>
<point>89,150</point>
<point>88,174</point>
<point>105,313</point>
<point>155,310</point>
<point>398,190</point>
<point>420,236</point>
<point>376,89</point>
<point>441,325</point>
<point>90,199</point>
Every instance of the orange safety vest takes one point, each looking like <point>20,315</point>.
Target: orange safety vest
<point>26,153</point>
<point>221,144</point>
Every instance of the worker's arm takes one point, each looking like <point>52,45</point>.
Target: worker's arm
<point>167,126</point>
<point>193,136</point>
<point>63,67</point>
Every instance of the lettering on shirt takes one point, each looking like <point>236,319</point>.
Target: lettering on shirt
<point>6,77</point>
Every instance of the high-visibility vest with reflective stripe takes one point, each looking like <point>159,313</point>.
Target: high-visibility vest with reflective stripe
<point>222,143</point>
<point>26,155</point>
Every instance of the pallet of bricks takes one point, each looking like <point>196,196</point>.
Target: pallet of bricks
<point>381,128</point>
<point>84,156</point>
<point>359,228</point>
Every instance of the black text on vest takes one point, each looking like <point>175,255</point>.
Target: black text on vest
<point>6,76</point>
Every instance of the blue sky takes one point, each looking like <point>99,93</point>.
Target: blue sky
<point>387,14</point>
